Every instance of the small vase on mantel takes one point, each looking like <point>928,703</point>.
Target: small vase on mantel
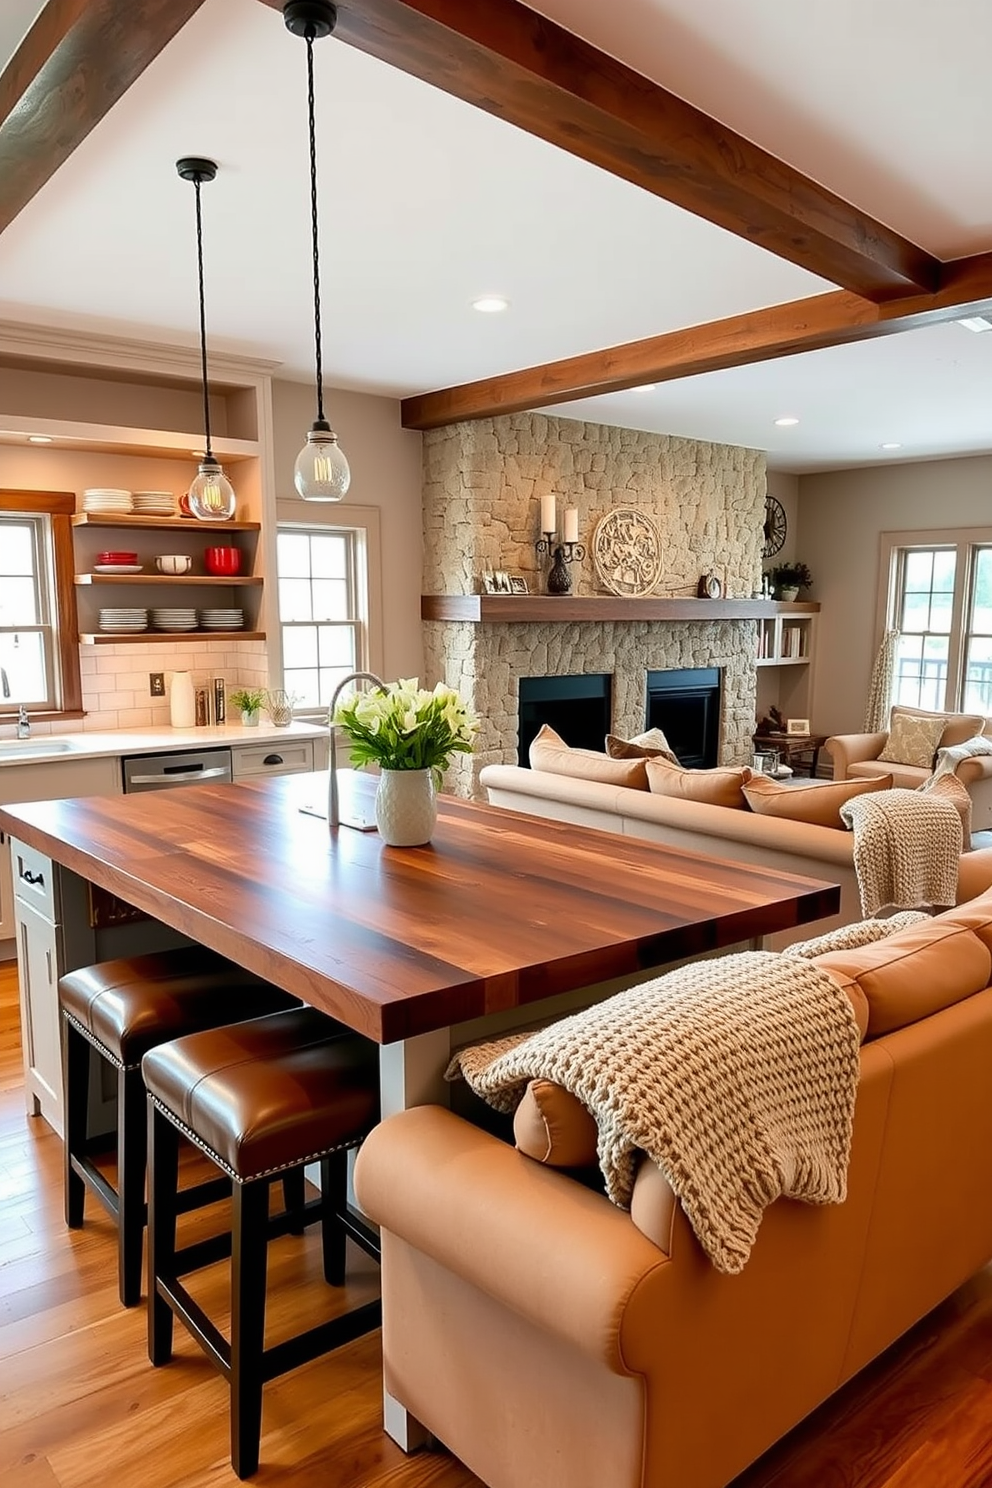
<point>405,807</point>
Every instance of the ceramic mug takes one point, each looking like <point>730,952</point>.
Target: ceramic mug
<point>173,563</point>
<point>222,560</point>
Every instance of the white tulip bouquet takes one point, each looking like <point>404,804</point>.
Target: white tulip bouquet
<point>405,727</point>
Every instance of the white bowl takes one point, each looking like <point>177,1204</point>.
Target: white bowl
<point>173,563</point>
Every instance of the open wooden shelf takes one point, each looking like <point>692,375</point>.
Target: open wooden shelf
<point>542,608</point>
<point>156,637</point>
<point>170,579</point>
<point>164,524</point>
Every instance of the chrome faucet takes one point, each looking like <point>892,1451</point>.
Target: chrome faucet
<point>23,723</point>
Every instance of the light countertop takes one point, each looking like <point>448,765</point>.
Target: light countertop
<point>119,742</point>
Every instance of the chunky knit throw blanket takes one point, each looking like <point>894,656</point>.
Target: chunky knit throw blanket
<point>948,759</point>
<point>736,1075</point>
<point>906,849</point>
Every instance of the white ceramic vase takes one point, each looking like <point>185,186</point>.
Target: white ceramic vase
<point>405,807</point>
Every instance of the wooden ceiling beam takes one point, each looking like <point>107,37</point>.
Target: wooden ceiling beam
<point>78,58</point>
<point>761,335</point>
<point>505,58</point>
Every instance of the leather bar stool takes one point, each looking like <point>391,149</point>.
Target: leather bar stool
<point>261,1099</point>
<point>122,1008</point>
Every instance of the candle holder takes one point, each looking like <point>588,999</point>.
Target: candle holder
<point>562,554</point>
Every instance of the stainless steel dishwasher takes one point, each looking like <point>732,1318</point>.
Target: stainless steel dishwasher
<point>146,772</point>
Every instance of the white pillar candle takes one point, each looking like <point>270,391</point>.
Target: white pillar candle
<point>549,522</point>
<point>571,524</point>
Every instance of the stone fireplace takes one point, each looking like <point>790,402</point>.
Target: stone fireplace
<point>483,482</point>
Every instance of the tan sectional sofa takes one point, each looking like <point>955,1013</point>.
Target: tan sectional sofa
<point>533,1328</point>
<point>744,836</point>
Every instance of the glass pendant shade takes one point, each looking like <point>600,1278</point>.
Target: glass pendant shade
<point>211,496</point>
<point>322,472</point>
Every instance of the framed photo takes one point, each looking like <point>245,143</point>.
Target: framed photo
<point>496,582</point>
<point>797,726</point>
<point>518,584</point>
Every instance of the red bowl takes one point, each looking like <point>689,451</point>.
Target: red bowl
<point>222,560</point>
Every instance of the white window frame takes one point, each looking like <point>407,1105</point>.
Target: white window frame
<point>363,523</point>
<point>964,540</point>
<point>50,512</point>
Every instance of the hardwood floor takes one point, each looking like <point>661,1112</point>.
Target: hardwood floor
<point>81,1407</point>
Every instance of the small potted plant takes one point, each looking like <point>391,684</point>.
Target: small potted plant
<point>249,701</point>
<point>789,578</point>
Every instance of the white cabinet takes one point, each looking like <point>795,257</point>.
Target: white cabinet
<point>248,761</point>
<point>39,956</point>
<point>786,645</point>
<point>6,895</point>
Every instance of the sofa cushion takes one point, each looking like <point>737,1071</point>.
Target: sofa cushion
<point>913,739</point>
<point>552,1126</point>
<point>915,972</point>
<point>643,746</point>
<point>904,777</point>
<point>548,751</point>
<point>718,787</point>
<point>817,804</point>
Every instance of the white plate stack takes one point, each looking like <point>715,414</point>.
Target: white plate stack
<point>174,619</point>
<point>106,501</point>
<point>124,620</point>
<point>222,619</point>
<point>153,504</point>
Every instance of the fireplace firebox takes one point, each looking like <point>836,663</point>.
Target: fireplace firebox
<point>577,708</point>
<point>685,705</point>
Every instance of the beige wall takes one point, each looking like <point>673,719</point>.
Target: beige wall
<point>841,514</point>
<point>385,464</point>
<point>785,488</point>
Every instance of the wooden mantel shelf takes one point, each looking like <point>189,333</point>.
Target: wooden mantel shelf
<point>492,609</point>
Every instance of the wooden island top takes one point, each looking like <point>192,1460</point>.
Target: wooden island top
<point>499,911</point>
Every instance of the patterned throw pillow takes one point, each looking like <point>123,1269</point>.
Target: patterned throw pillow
<point>912,740</point>
<point>652,745</point>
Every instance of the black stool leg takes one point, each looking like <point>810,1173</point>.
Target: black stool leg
<point>131,1153</point>
<point>75,1098</point>
<point>294,1193</point>
<point>163,1187</point>
<point>334,1188</point>
<point>249,1243</point>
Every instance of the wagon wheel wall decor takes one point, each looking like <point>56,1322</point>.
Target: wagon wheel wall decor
<point>775,528</point>
<point>626,552</point>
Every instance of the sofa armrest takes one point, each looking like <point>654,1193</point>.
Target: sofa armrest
<point>846,749</point>
<point>537,1241</point>
<point>978,767</point>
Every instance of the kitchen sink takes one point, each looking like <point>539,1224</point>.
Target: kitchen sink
<point>11,749</point>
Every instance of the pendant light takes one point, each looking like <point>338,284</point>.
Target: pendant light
<point>322,472</point>
<point>211,496</point>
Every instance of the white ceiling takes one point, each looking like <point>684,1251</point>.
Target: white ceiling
<point>427,203</point>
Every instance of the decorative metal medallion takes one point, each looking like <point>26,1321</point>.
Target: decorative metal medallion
<point>626,551</point>
<point>776,527</point>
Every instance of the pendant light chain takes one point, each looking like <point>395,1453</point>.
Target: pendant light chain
<point>203,319</point>
<point>313,219</point>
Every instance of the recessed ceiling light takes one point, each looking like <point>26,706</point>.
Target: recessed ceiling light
<point>39,439</point>
<point>645,387</point>
<point>490,304</point>
<point>976,323</point>
<point>890,444</point>
<point>785,423</point>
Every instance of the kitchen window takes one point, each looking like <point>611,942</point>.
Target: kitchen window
<point>326,575</point>
<point>939,598</point>
<point>39,658</point>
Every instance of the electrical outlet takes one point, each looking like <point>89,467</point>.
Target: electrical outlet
<point>156,684</point>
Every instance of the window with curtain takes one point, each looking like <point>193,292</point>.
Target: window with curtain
<point>39,661</point>
<point>939,597</point>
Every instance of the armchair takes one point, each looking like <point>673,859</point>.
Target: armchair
<point>860,756</point>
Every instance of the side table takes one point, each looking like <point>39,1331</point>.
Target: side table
<point>790,746</point>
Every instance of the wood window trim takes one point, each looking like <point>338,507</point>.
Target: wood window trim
<point>59,506</point>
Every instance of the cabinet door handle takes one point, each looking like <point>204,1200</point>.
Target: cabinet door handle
<point>272,759</point>
<point>32,878</point>
<point>48,963</point>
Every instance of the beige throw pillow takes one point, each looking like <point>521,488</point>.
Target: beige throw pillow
<point>818,805</point>
<point>913,740</point>
<point>550,752</point>
<point>957,726</point>
<point>719,787</point>
<point>651,745</point>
